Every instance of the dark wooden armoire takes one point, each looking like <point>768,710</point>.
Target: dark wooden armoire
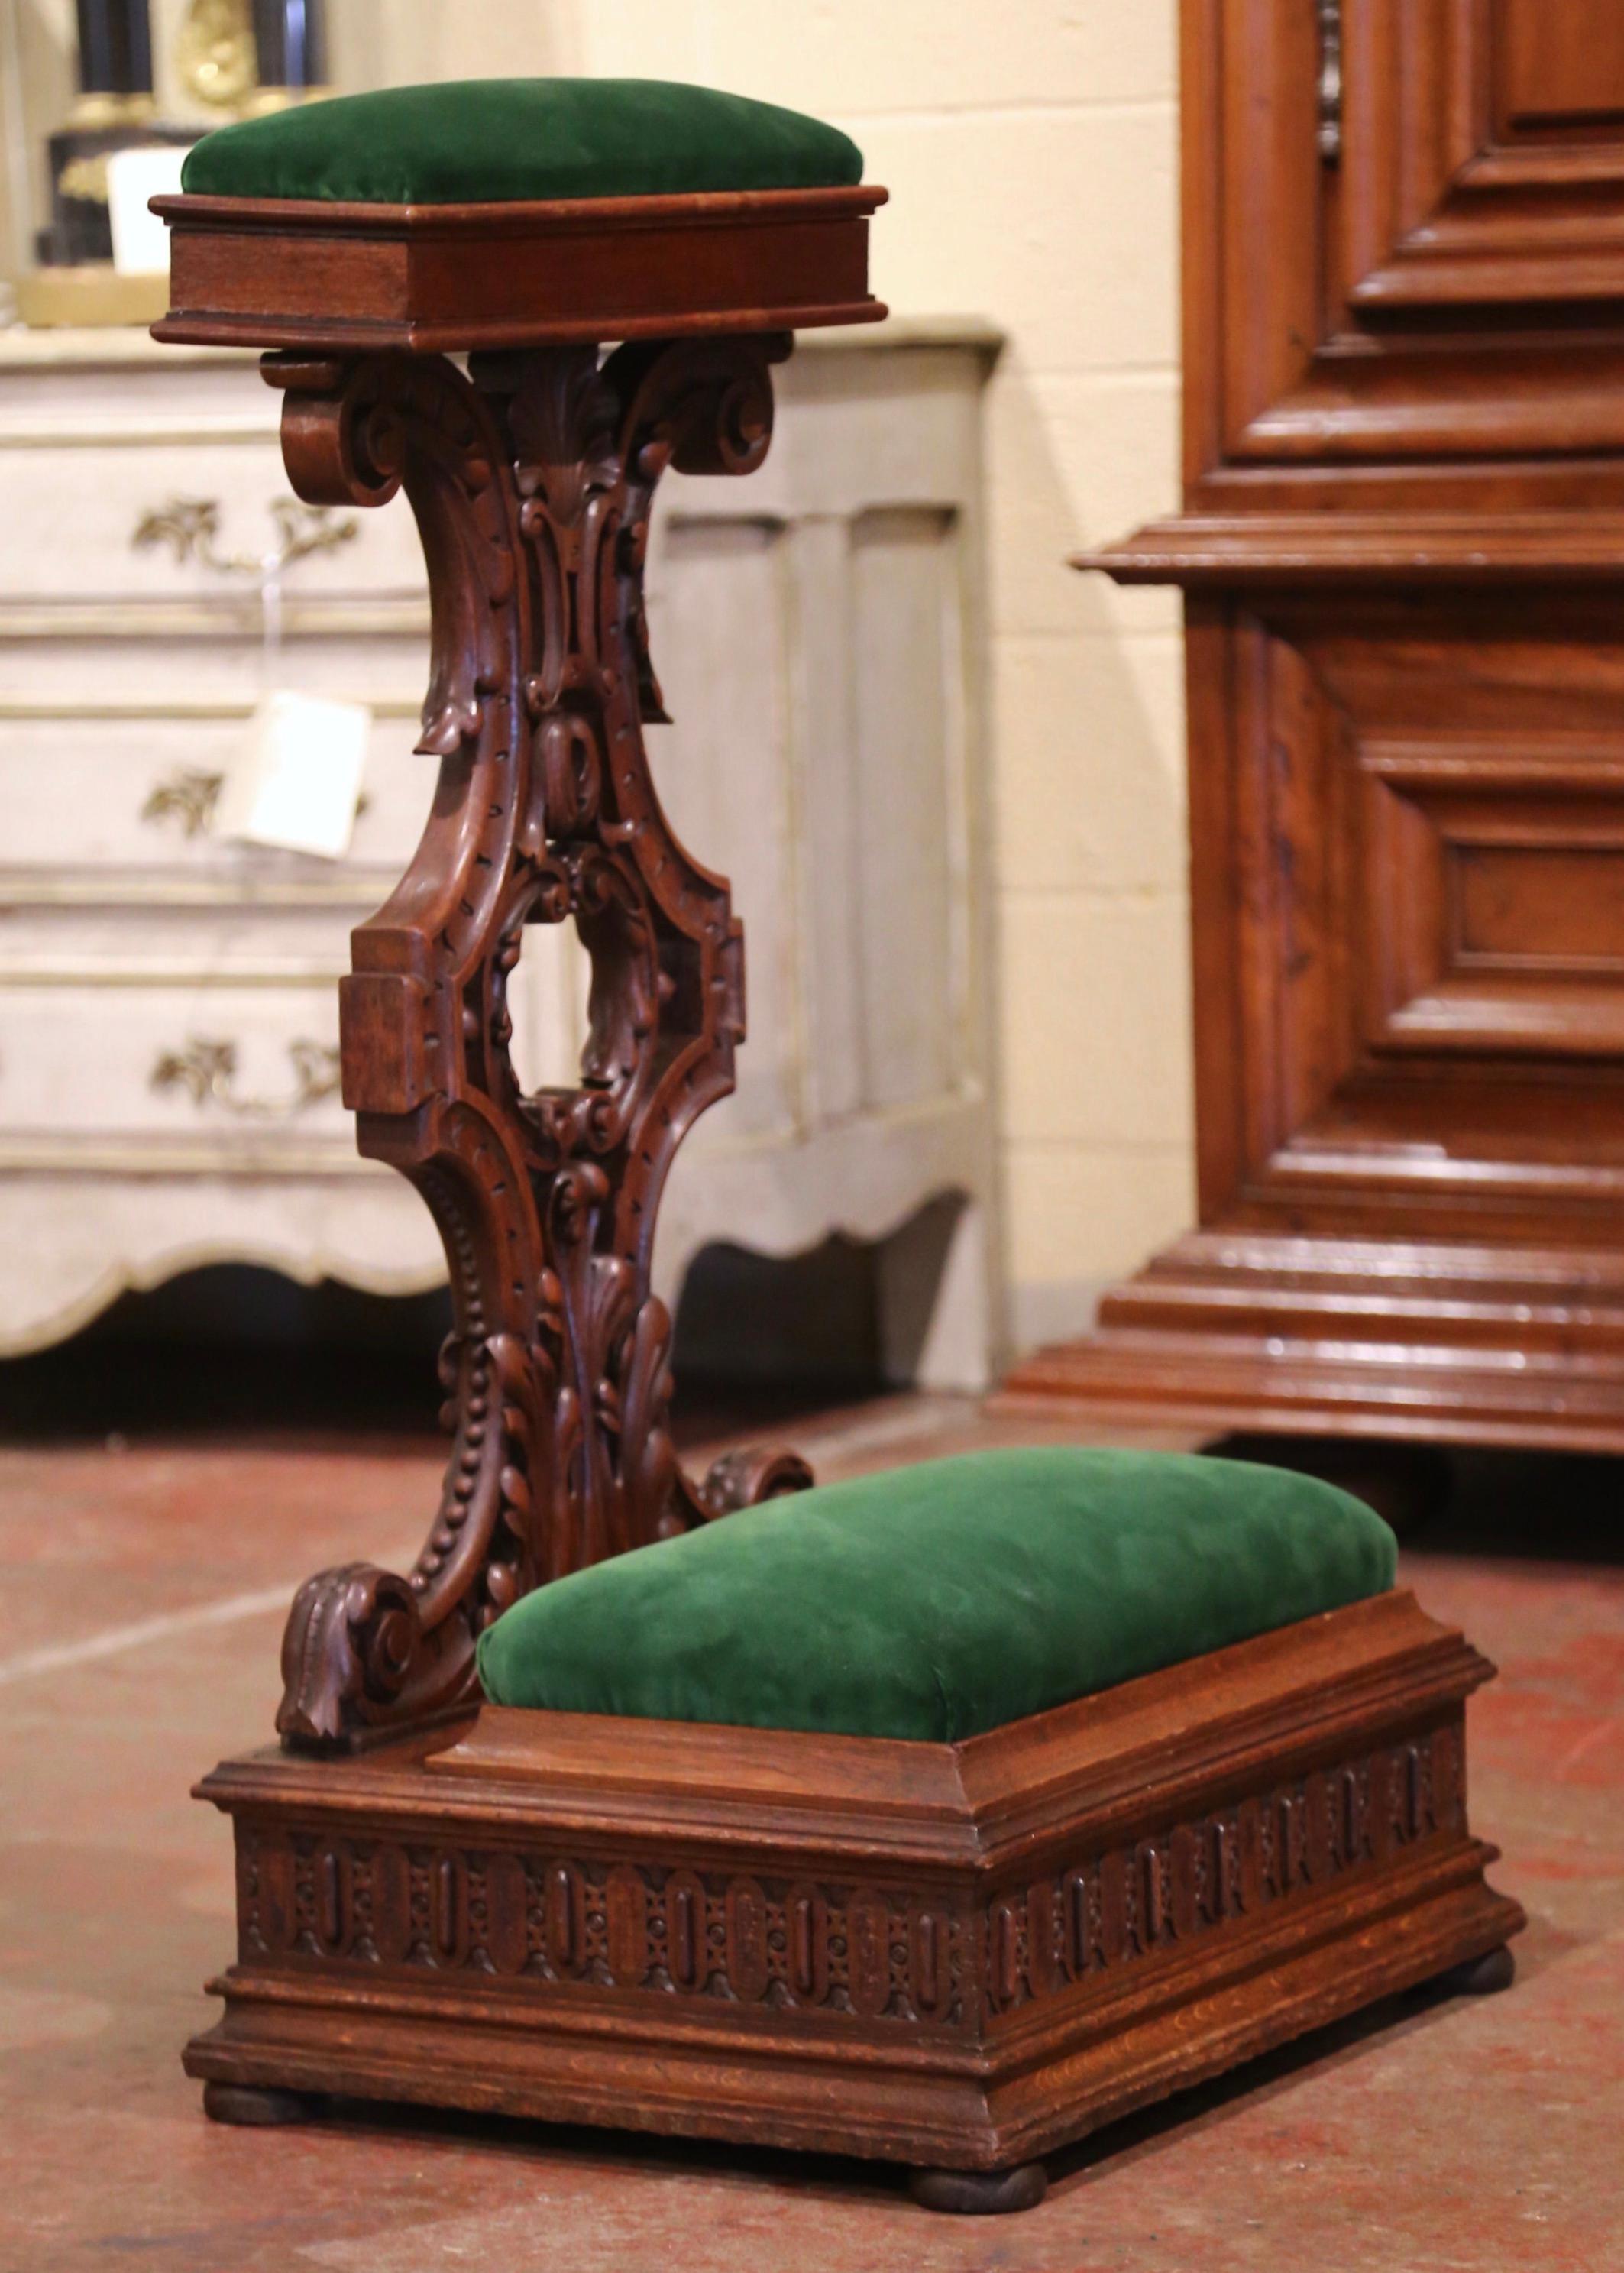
<point>1402,555</point>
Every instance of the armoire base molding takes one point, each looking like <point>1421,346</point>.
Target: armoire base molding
<point>1440,1342</point>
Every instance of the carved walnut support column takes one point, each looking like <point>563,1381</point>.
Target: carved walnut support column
<point>532,483</point>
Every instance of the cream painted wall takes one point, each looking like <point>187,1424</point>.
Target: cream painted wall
<point>1031,154</point>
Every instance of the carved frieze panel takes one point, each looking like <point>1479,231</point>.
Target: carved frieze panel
<point>1093,1916</point>
<point>873,1950</point>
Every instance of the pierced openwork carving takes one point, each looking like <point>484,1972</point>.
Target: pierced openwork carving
<point>532,481</point>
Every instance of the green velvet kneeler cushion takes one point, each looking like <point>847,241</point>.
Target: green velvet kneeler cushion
<point>486,140</point>
<point>941,1600</point>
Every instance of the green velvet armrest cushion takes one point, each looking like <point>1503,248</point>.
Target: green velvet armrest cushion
<point>941,1600</point>
<point>495,140</point>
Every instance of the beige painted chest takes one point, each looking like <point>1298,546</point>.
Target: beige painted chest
<point>168,998</point>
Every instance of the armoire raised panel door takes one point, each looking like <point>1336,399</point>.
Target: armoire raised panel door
<point>1402,555</point>
<point>1425,264</point>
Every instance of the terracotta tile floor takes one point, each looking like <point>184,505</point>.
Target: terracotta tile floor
<point>144,1596</point>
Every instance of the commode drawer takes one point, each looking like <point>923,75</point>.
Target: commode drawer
<point>78,538</point>
<point>142,792</point>
<point>237,1060</point>
<point>92,459</point>
<point>167,1024</point>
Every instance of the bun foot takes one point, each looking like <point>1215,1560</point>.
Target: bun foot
<point>980,2194</point>
<point>1479,1976</point>
<point>254,2103</point>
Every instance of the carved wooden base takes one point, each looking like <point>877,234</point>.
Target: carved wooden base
<point>1336,1337</point>
<point>956,1957</point>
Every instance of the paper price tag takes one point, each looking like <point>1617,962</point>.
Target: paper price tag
<point>141,241</point>
<point>296,780</point>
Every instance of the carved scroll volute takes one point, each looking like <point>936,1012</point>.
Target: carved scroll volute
<point>532,486</point>
<point>328,461</point>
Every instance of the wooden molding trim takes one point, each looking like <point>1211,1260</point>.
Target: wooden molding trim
<point>1198,550</point>
<point>289,273</point>
<point>1438,1342</point>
